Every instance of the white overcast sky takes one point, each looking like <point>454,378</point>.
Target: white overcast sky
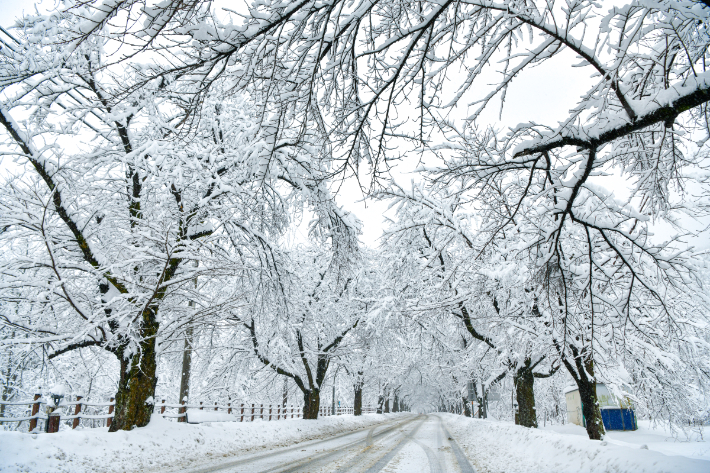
<point>542,94</point>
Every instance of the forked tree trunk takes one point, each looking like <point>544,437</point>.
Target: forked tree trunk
<point>311,404</point>
<point>358,399</point>
<point>525,395</point>
<point>481,400</point>
<point>138,379</point>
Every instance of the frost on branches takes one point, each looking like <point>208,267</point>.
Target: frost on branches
<point>167,152</point>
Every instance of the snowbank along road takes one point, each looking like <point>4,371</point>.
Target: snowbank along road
<point>415,444</point>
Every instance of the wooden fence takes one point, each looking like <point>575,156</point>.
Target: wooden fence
<point>53,416</point>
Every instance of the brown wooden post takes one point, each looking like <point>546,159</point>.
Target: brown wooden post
<point>162,408</point>
<point>53,422</point>
<point>35,411</point>
<point>262,411</point>
<point>200,405</point>
<point>215,405</point>
<point>110,411</point>
<point>278,411</point>
<point>242,418</point>
<point>229,407</point>
<point>252,412</point>
<point>77,410</point>
<point>182,410</point>
<point>269,412</point>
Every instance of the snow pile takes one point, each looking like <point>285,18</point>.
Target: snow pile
<point>196,416</point>
<point>494,447</point>
<point>163,444</point>
<point>657,439</point>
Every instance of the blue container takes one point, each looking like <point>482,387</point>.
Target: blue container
<point>619,419</point>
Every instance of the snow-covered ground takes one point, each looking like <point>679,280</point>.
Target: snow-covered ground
<point>163,444</point>
<point>494,446</point>
<point>657,439</point>
<point>411,444</point>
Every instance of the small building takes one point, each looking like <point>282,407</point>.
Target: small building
<point>616,414</point>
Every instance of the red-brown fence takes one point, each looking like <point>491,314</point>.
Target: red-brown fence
<point>88,414</point>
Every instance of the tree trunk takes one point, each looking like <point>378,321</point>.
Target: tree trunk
<point>481,400</point>
<point>138,379</point>
<point>285,392</point>
<point>525,395</point>
<point>583,375</point>
<point>590,410</point>
<point>387,405</point>
<point>358,399</point>
<point>590,405</point>
<point>311,404</point>
<point>380,403</point>
<point>395,403</point>
<point>466,408</point>
<point>186,365</point>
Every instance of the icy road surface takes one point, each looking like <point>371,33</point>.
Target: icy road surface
<point>415,444</point>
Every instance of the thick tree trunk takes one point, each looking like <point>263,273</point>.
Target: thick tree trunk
<point>590,405</point>
<point>525,395</point>
<point>395,403</point>
<point>387,405</point>
<point>311,404</point>
<point>358,399</point>
<point>586,382</point>
<point>380,403</point>
<point>138,379</point>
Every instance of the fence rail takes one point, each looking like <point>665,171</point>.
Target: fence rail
<point>239,412</point>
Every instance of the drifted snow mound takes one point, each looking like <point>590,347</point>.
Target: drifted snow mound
<point>163,445</point>
<point>494,447</point>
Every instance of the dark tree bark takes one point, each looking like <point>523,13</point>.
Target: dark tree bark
<point>590,405</point>
<point>387,404</point>
<point>311,403</point>
<point>395,403</point>
<point>583,374</point>
<point>380,403</point>
<point>138,379</point>
<point>358,395</point>
<point>525,395</point>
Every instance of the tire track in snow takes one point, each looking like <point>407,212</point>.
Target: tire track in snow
<point>314,462</point>
<point>236,464</point>
<point>463,462</point>
<point>382,462</point>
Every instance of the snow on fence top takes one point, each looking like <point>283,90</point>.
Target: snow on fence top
<point>184,412</point>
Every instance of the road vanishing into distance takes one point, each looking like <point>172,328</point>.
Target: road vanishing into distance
<point>414,444</point>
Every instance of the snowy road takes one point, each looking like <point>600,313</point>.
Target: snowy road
<point>415,444</point>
